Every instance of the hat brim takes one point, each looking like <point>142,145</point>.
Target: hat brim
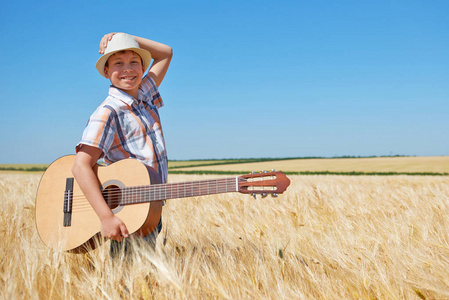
<point>144,54</point>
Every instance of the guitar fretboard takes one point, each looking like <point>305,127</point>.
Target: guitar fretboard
<point>156,192</point>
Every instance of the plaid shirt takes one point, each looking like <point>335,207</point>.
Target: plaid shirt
<point>123,127</point>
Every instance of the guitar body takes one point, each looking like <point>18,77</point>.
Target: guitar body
<point>84,227</point>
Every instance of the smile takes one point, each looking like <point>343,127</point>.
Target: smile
<point>128,78</point>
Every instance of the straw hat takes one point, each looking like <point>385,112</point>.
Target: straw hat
<point>120,42</point>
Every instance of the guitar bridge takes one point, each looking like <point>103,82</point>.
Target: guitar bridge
<point>68,200</point>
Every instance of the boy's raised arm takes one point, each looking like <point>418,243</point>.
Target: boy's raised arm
<point>161,55</point>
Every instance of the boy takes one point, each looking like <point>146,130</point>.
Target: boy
<point>126,124</point>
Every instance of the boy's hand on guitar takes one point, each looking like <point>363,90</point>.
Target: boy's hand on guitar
<point>114,228</point>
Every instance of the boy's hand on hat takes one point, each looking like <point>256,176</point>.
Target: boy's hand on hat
<point>104,41</point>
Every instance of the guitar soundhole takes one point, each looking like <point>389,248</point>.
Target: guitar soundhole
<point>113,195</point>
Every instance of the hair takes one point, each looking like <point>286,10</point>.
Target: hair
<point>121,52</point>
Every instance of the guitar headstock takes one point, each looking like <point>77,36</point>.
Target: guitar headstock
<point>263,183</point>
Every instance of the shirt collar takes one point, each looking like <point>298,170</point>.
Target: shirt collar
<point>121,95</point>
<point>127,99</point>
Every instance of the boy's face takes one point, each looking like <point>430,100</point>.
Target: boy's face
<point>125,71</point>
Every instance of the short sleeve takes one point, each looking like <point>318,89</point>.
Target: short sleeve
<point>149,90</point>
<point>99,131</point>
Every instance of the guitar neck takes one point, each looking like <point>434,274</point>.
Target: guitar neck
<point>157,192</point>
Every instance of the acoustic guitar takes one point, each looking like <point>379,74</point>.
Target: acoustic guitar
<point>66,221</point>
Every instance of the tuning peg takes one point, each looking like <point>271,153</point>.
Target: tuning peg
<point>274,195</point>
<point>264,195</point>
<point>255,195</point>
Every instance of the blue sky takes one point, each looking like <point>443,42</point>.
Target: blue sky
<point>248,78</point>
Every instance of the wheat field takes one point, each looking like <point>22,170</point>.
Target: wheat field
<point>438,164</point>
<point>327,237</point>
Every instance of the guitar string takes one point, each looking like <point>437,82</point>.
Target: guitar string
<point>80,202</point>
<point>117,196</point>
<point>203,184</point>
<point>85,205</point>
<point>170,186</point>
<point>179,189</point>
<point>225,184</point>
<point>163,188</point>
